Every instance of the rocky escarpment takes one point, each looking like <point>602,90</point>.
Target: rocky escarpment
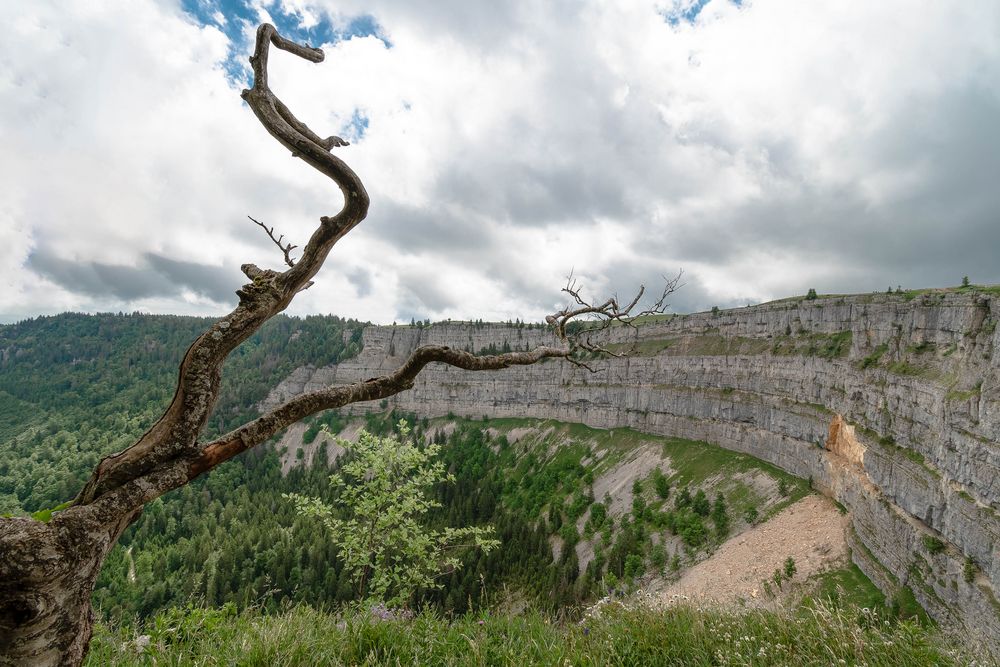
<point>890,403</point>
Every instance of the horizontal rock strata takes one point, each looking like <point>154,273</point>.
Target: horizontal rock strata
<point>890,403</point>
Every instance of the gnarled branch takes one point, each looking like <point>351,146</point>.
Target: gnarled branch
<point>602,316</point>
<point>170,455</point>
<point>175,435</point>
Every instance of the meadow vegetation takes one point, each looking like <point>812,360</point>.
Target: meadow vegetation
<point>617,634</point>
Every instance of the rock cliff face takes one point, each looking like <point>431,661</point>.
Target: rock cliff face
<point>890,403</point>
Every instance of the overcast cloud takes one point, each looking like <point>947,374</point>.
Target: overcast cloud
<point>765,147</point>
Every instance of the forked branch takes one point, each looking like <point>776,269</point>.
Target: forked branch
<point>285,248</point>
<point>170,454</point>
<point>601,316</point>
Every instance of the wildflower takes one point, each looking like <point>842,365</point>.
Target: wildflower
<point>586,631</point>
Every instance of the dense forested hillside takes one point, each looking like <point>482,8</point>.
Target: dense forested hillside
<point>76,387</point>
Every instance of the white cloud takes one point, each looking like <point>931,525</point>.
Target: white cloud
<point>765,148</point>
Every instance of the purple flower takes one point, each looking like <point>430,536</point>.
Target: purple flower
<point>586,631</point>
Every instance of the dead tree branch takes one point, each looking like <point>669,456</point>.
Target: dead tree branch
<point>170,453</point>
<point>175,436</point>
<point>599,317</point>
<point>286,248</point>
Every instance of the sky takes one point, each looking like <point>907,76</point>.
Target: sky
<point>764,147</point>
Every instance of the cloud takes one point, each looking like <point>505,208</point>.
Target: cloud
<point>764,147</point>
<point>361,278</point>
<point>156,276</point>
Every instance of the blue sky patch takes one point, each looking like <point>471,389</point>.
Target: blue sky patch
<point>238,19</point>
<point>689,14</point>
<point>356,127</point>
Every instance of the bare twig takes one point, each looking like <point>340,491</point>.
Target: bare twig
<point>603,315</point>
<point>286,248</point>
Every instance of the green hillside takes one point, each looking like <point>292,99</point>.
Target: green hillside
<point>76,387</point>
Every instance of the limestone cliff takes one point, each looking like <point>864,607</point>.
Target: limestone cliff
<point>890,403</point>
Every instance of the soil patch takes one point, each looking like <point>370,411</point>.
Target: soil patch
<point>811,531</point>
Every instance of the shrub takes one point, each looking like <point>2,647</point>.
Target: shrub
<point>658,556</point>
<point>633,566</point>
<point>811,294</point>
<point>969,570</point>
<point>691,529</point>
<point>598,513</point>
<point>720,515</point>
<point>933,544</point>
<point>378,522</point>
<point>568,533</point>
<point>638,507</point>
<point>700,504</point>
<point>660,484</point>
<point>683,499</point>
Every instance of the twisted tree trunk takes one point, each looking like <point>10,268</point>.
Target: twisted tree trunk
<point>47,575</point>
<point>48,570</point>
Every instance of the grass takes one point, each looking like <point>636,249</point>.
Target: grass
<point>960,395</point>
<point>618,635</point>
<point>906,368</point>
<point>873,358</point>
<point>823,345</point>
<point>847,586</point>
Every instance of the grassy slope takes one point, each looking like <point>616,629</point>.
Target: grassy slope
<point>564,448</point>
<point>682,636</point>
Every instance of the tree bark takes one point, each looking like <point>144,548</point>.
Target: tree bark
<point>47,575</point>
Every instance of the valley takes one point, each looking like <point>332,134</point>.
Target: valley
<point>889,403</point>
<point>857,435</point>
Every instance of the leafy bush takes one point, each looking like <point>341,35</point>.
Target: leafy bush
<point>633,566</point>
<point>382,499</point>
<point>790,569</point>
<point>660,484</point>
<point>720,515</point>
<point>690,528</point>
<point>683,499</point>
<point>969,570</point>
<point>933,544</point>
<point>700,504</point>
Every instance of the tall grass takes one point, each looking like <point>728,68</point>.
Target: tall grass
<point>679,635</point>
